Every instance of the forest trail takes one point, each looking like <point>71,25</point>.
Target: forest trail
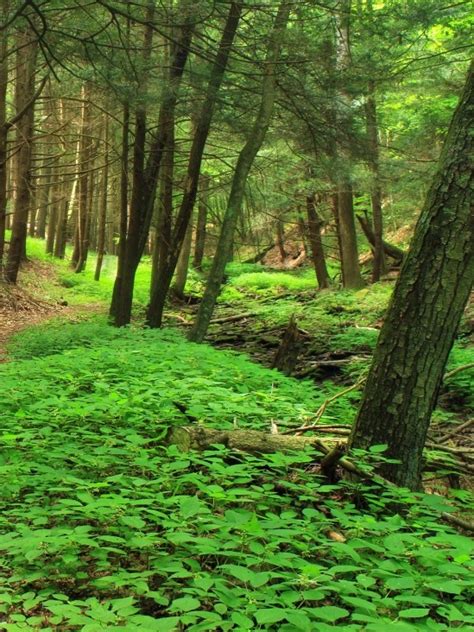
<point>19,310</point>
<point>21,307</point>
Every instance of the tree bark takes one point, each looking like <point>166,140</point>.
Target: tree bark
<point>423,317</point>
<point>3,129</point>
<point>103,203</point>
<point>242,170</point>
<point>85,184</point>
<point>253,441</point>
<point>183,263</point>
<point>389,249</point>
<point>24,98</point>
<point>379,265</point>
<point>201,222</point>
<point>351,275</point>
<point>316,242</point>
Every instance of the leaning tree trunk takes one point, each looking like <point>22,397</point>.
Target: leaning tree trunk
<point>24,97</point>
<point>423,317</point>
<point>242,170</point>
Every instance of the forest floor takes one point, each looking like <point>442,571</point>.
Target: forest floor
<point>103,526</point>
<point>24,305</point>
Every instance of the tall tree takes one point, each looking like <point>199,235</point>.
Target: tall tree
<point>162,283</point>
<point>351,276</point>
<point>427,304</point>
<point>145,178</point>
<point>4,5</point>
<point>244,164</point>
<point>27,47</point>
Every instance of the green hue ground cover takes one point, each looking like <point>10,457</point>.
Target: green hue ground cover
<point>104,528</point>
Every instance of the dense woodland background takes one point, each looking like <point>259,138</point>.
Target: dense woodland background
<point>290,179</point>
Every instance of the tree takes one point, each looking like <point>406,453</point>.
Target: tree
<point>27,48</point>
<point>163,279</point>
<point>244,164</point>
<point>428,301</point>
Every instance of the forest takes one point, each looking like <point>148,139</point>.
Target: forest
<point>236,315</point>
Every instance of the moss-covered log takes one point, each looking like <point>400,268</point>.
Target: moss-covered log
<point>253,441</point>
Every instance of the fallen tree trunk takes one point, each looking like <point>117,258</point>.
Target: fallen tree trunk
<point>253,441</point>
<point>260,255</point>
<point>390,249</point>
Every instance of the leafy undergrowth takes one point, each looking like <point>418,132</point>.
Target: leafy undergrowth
<point>105,528</point>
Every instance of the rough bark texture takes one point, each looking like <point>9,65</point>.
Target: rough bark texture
<point>316,243</point>
<point>428,301</point>
<point>242,170</point>
<point>24,96</point>
<point>287,353</point>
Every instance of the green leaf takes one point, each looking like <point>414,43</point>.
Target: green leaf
<point>185,604</point>
<point>270,615</point>
<point>446,586</point>
<point>400,583</point>
<point>329,613</point>
<point>413,613</point>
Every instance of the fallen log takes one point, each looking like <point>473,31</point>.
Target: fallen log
<point>260,255</point>
<point>198,437</point>
<point>256,442</point>
<point>389,249</point>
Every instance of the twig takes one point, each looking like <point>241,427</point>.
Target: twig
<point>324,405</point>
<point>457,430</point>
<point>445,448</point>
<point>457,370</point>
<point>468,526</point>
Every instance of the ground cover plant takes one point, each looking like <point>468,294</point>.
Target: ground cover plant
<point>104,527</point>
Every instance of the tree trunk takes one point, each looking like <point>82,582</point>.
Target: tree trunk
<point>281,240</point>
<point>123,221</point>
<point>351,276</point>
<point>389,249</point>
<point>423,317</point>
<point>379,266</point>
<point>144,189</point>
<point>316,242</point>
<point>24,97</point>
<point>158,296</point>
<point>85,184</point>
<point>103,203</point>
<point>183,263</point>
<point>200,242</point>
<point>253,441</point>
<point>3,129</point>
<point>242,170</point>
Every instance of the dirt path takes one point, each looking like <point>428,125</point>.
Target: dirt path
<point>19,310</point>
